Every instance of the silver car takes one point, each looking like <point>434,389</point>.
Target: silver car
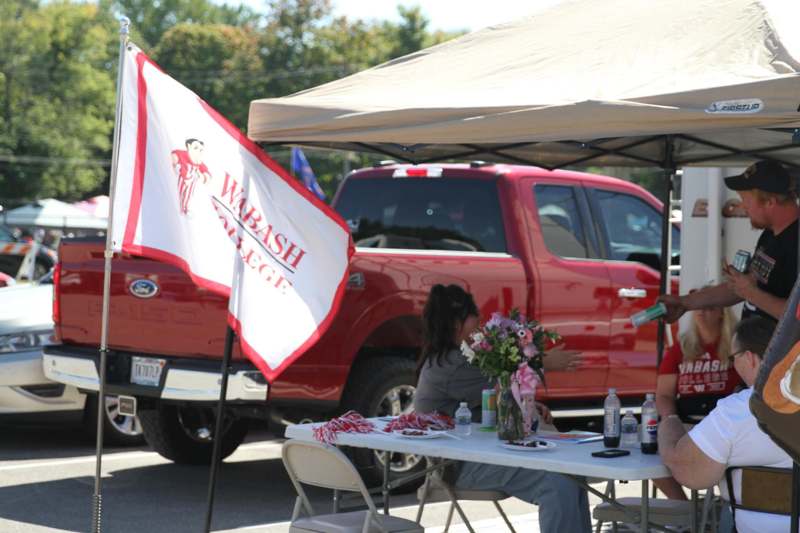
<point>26,325</point>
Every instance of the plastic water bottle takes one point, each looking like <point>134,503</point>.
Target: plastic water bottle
<point>630,430</point>
<point>649,425</point>
<point>611,429</point>
<point>463,420</point>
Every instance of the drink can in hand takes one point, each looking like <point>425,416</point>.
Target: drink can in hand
<point>651,313</point>
<point>488,408</point>
<point>741,261</point>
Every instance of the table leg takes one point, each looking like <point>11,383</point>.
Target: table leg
<point>336,501</point>
<point>386,466</point>
<point>645,518</point>
<point>614,526</point>
<point>695,499</point>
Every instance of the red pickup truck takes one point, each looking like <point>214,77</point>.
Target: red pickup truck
<point>577,251</point>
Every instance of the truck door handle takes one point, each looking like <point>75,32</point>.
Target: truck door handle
<point>632,293</point>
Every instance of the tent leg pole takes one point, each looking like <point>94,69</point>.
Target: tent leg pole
<point>666,256</point>
<point>795,518</point>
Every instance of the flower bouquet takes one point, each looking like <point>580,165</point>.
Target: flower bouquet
<point>509,349</point>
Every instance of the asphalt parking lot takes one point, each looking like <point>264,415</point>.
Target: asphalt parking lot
<point>47,481</point>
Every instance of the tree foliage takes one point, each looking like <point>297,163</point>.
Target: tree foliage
<point>218,62</point>
<point>57,98</point>
<point>58,71</point>
<point>151,19</point>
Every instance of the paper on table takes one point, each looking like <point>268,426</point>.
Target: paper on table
<point>576,437</point>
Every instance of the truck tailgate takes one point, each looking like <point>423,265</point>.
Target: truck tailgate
<point>179,319</point>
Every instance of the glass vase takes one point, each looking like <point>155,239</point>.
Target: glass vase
<point>510,419</point>
<point>530,415</point>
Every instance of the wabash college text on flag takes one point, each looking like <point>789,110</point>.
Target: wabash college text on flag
<point>195,192</point>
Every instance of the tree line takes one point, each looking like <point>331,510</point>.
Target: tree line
<point>58,62</point>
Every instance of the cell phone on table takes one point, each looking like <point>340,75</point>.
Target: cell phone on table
<point>608,454</point>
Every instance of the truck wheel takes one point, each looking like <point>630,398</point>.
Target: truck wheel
<point>117,429</point>
<point>383,386</point>
<point>185,434</point>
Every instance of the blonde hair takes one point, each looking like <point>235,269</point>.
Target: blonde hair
<point>692,345</point>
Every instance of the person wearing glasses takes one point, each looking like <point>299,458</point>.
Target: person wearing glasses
<point>729,435</point>
<point>695,374</point>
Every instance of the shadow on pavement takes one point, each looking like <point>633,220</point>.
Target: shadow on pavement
<point>161,498</point>
<point>55,441</point>
<point>165,498</point>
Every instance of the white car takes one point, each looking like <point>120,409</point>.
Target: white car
<point>26,325</point>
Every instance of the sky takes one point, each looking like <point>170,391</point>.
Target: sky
<point>447,15</point>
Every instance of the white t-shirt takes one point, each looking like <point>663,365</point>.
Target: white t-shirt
<point>730,435</point>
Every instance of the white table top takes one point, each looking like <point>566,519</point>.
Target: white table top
<point>484,447</point>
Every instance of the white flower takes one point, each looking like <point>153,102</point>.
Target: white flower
<point>477,337</point>
<point>468,352</point>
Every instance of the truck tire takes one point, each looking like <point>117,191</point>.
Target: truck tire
<point>383,386</point>
<point>117,429</point>
<point>184,435</point>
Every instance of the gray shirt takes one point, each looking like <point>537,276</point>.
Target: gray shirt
<point>442,385</point>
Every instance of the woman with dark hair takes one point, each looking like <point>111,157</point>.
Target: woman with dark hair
<point>446,378</point>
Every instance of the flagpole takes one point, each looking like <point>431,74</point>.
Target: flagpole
<point>217,450</point>
<point>97,499</point>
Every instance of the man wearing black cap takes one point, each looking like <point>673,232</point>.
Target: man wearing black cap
<point>769,195</point>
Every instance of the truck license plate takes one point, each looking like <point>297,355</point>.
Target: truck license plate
<point>146,370</point>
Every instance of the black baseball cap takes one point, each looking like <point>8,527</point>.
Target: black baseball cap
<point>768,176</point>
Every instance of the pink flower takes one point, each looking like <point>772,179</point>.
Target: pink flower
<point>527,379</point>
<point>529,350</point>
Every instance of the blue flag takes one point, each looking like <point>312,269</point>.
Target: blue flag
<point>302,169</point>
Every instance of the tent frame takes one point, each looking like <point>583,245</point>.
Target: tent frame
<point>405,153</point>
<point>668,164</point>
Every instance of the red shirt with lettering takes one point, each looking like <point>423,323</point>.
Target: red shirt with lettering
<point>703,376</point>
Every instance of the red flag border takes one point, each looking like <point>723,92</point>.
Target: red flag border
<point>134,212</point>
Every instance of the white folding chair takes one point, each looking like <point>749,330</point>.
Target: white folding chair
<point>663,512</point>
<point>436,489</point>
<point>325,466</point>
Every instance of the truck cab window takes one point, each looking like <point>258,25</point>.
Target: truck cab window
<point>561,221</point>
<point>423,214</point>
<point>633,227</point>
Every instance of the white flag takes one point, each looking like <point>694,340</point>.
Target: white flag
<point>193,191</point>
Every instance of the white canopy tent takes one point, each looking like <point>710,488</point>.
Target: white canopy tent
<point>662,83</point>
<point>51,213</point>
<point>585,82</point>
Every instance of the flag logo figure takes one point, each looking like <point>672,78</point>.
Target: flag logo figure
<point>189,168</point>
<point>236,222</point>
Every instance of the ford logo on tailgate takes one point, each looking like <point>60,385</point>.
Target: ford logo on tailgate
<point>143,288</point>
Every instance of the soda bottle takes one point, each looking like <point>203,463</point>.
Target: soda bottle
<point>463,420</point>
<point>611,428</point>
<point>630,429</point>
<point>649,425</point>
